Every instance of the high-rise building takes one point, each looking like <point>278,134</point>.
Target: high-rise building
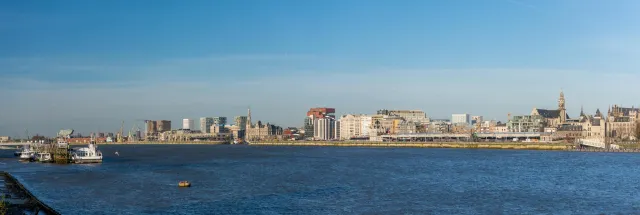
<point>309,121</point>
<point>187,124</point>
<point>241,122</point>
<point>205,124</point>
<point>336,129</point>
<point>321,112</point>
<point>460,119</point>
<point>220,121</point>
<point>164,125</point>
<point>312,117</point>
<point>324,129</point>
<point>152,128</point>
<point>365,125</point>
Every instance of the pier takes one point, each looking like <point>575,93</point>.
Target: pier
<point>18,200</point>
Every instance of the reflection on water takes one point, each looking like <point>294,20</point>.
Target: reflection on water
<point>308,180</point>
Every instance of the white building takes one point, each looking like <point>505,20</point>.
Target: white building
<point>324,129</point>
<point>354,126</point>
<point>187,124</point>
<point>417,116</point>
<point>365,125</point>
<point>205,124</point>
<point>350,126</point>
<point>460,119</point>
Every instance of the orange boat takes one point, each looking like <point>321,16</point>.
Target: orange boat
<point>184,184</point>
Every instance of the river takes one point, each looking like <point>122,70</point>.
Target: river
<point>240,179</point>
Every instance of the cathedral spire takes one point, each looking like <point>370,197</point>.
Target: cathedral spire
<point>248,117</point>
<point>581,110</point>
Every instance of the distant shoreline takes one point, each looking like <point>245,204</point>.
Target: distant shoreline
<point>465,145</point>
<point>161,143</point>
<point>450,145</point>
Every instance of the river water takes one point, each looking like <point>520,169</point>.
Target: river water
<point>232,179</point>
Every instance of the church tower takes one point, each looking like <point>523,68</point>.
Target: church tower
<point>248,119</point>
<point>561,108</point>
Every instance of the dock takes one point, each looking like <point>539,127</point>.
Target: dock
<point>16,199</point>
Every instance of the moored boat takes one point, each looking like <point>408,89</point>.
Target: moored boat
<point>89,154</point>
<point>43,157</point>
<point>26,154</point>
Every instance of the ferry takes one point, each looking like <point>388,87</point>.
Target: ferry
<point>26,154</point>
<point>89,154</point>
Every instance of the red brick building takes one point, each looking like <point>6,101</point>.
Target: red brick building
<point>319,113</point>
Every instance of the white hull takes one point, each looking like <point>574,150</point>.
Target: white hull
<point>87,160</point>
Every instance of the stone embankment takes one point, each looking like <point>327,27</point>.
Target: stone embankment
<point>18,200</point>
<point>466,145</point>
<point>161,143</point>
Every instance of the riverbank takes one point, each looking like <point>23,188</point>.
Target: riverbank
<point>161,143</point>
<point>18,200</point>
<point>466,145</point>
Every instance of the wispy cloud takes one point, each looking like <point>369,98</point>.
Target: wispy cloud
<point>76,74</point>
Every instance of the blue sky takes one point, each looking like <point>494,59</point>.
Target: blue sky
<point>89,65</point>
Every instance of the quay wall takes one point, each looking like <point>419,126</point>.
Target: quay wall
<point>160,143</point>
<point>466,145</point>
<point>33,204</point>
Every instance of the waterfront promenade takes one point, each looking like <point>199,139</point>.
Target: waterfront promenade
<point>466,145</point>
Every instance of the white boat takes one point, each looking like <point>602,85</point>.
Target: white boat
<point>89,154</point>
<point>26,154</point>
<point>43,157</point>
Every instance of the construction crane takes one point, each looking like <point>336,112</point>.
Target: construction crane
<point>120,138</point>
<point>144,121</point>
<point>134,133</point>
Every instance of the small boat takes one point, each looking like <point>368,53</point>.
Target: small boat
<point>43,157</point>
<point>26,154</point>
<point>184,184</point>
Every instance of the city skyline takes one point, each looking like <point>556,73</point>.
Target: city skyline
<point>179,61</point>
